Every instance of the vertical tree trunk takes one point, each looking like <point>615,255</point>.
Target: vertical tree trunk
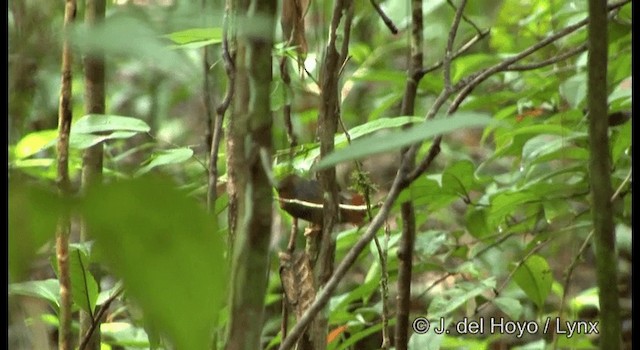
<point>65,334</point>
<point>599,168</point>
<point>408,237</point>
<point>249,151</point>
<point>92,158</point>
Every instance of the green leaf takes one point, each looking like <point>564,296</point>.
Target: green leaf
<point>124,334</point>
<point>94,123</point>
<point>426,191</point>
<point>46,289</point>
<point>535,279</point>
<point>428,243</point>
<point>376,125</point>
<point>430,340</point>
<point>35,142</point>
<point>574,89</point>
<point>444,304</point>
<point>168,252</point>
<point>166,157</point>
<point>196,37</point>
<point>509,306</point>
<point>621,142</point>
<point>83,284</point>
<point>508,203</point>
<point>33,215</point>
<point>398,139</point>
<point>476,223</point>
<point>459,178</point>
<point>83,141</point>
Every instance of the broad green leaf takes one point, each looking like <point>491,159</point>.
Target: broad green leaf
<point>428,243</point>
<point>534,278</point>
<point>459,178</point>
<point>621,142</point>
<point>166,157</point>
<point>124,334</point>
<point>476,223</point>
<point>93,123</point>
<point>34,142</point>
<point>509,306</point>
<point>397,139</point>
<point>574,89</point>
<point>586,299</point>
<point>508,203</point>
<point>430,340</point>
<point>444,304</point>
<point>168,252</point>
<point>363,291</point>
<point>46,289</point>
<point>33,215</point>
<point>376,125</point>
<point>196,37</point>
<point>378,75</point>
<point>83,285</point>
<point>426,191</point>
<point>82,141</point>
<point>354,337</point>
<point>471,63</point>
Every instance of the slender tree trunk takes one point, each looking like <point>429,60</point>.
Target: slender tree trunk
<point>249,151</point>
<point>93,156</point>
<point>600,168</point>
<point>65,333</point>
<point>408,237</point>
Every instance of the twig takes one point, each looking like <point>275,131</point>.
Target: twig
<point>387,21</point>
<point>547,62</point>
<point>448,52</point>
<point>96,320</point>
<point>463,49</point>
<point>465,18</point>
<point>229,66</point>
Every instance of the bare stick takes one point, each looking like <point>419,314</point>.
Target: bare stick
<point>229,66</point>
<point>65,108</point>
<point>387,21</point>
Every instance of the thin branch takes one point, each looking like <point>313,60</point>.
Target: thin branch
<point>465,18</point>
<point>448,52</point>
<point>462,50</point>
<point>92,157</point>
<point>98,317</point>
<point>229,66</point>
<point>387,21</point>
<point>548,62</point>
<point>407,212</point>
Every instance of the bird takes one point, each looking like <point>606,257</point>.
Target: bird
<point>303,199</point>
